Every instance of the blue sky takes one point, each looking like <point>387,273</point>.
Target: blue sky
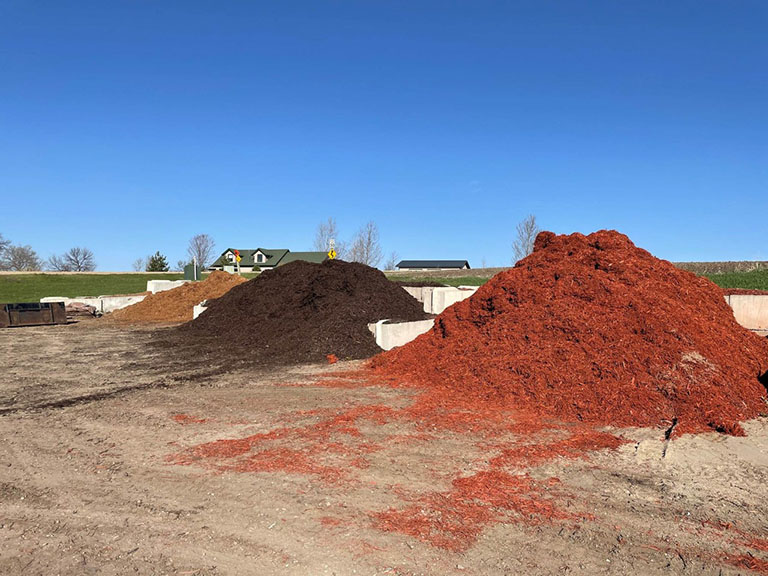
<point>130,126</point>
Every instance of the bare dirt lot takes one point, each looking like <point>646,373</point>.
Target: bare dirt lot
<point>116,459</point>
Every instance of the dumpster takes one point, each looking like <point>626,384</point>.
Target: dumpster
<point>32,314</point>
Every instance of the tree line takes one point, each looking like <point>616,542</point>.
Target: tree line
<point>18,258</point>
<point>364,247</point>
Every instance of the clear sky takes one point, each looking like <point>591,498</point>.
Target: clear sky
<point>129,126</point>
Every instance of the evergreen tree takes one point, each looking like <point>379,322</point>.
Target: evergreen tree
<point>157,263</point>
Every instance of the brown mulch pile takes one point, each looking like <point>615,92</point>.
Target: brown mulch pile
<point>297,313</point>
<point>176,305</point>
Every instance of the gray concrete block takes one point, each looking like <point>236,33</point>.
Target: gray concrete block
<point>389,335</point>
<point>156,286</point>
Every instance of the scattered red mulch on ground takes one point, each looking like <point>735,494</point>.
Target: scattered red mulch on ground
<point>176,305</point>
<point>333,447</point>
<point>594,329</point>
<point>327,448</point>
<point>757,544</point>
<point>454,519</point>
<point>748,561</point>
<point>744,292</point>
<point>297,313</point>
<point>187,419</point>
<point>331,521</point>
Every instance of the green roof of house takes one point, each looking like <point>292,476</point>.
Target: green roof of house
<point>275,257</point>
<point>315,257</point>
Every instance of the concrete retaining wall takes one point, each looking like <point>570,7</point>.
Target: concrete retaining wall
<point>437,299</point>
<point>442,298</point>
<point>199,309</point>
<point>389,336</point>
<point>156,286</point>
<point>416,291</point>
<point>102,304</point>
<point>750,310</point>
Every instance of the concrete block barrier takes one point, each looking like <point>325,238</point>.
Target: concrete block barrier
<point>750,310</point>
<point>103,304</point>
<point>199,309</point>
<point>156,286</point>
<point>112,303</point>
<point>442,298</point>
<point>390,335</point>
<point>415,291</point>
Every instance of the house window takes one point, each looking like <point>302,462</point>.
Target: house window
<point>260,258</point>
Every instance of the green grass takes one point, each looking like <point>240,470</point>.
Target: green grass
<point>754,280</point>
<point>32,287</point>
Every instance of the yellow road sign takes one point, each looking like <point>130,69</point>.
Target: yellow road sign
<point>332,254</point>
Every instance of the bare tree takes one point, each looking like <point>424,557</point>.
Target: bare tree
<point>527,230</point>
<point>365,246</point>
<point>180,265</point>
<point>20,258</point>
<point>74,260</point>
<point>3,245</point>
<point>325,232</point>
<point>139,264</point>
<point>391,263</point>
<point>200,249</point>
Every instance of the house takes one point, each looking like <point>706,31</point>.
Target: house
<point>262,259</point>
<point>433,265</point>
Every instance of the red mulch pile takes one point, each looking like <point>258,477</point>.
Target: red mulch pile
<point>592,328</point>
<point>176,305</point>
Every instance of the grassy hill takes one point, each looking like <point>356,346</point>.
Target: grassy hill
<point>32,287</point>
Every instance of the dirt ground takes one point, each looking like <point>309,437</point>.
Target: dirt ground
<point>115,459</point>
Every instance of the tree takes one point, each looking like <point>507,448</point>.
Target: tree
<point>157,263</point>
<point>365,246</point>
<point>3,245</point>
<point>180,265</point>
<point>527,230</point>
<point>325,232</point>
<point>139,265</point>
<point>74,260</point>
<point>20,258</point>
<point>200,249</point>
<point>391,261</point>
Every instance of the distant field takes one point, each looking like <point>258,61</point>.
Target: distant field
<point>754,280</point>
